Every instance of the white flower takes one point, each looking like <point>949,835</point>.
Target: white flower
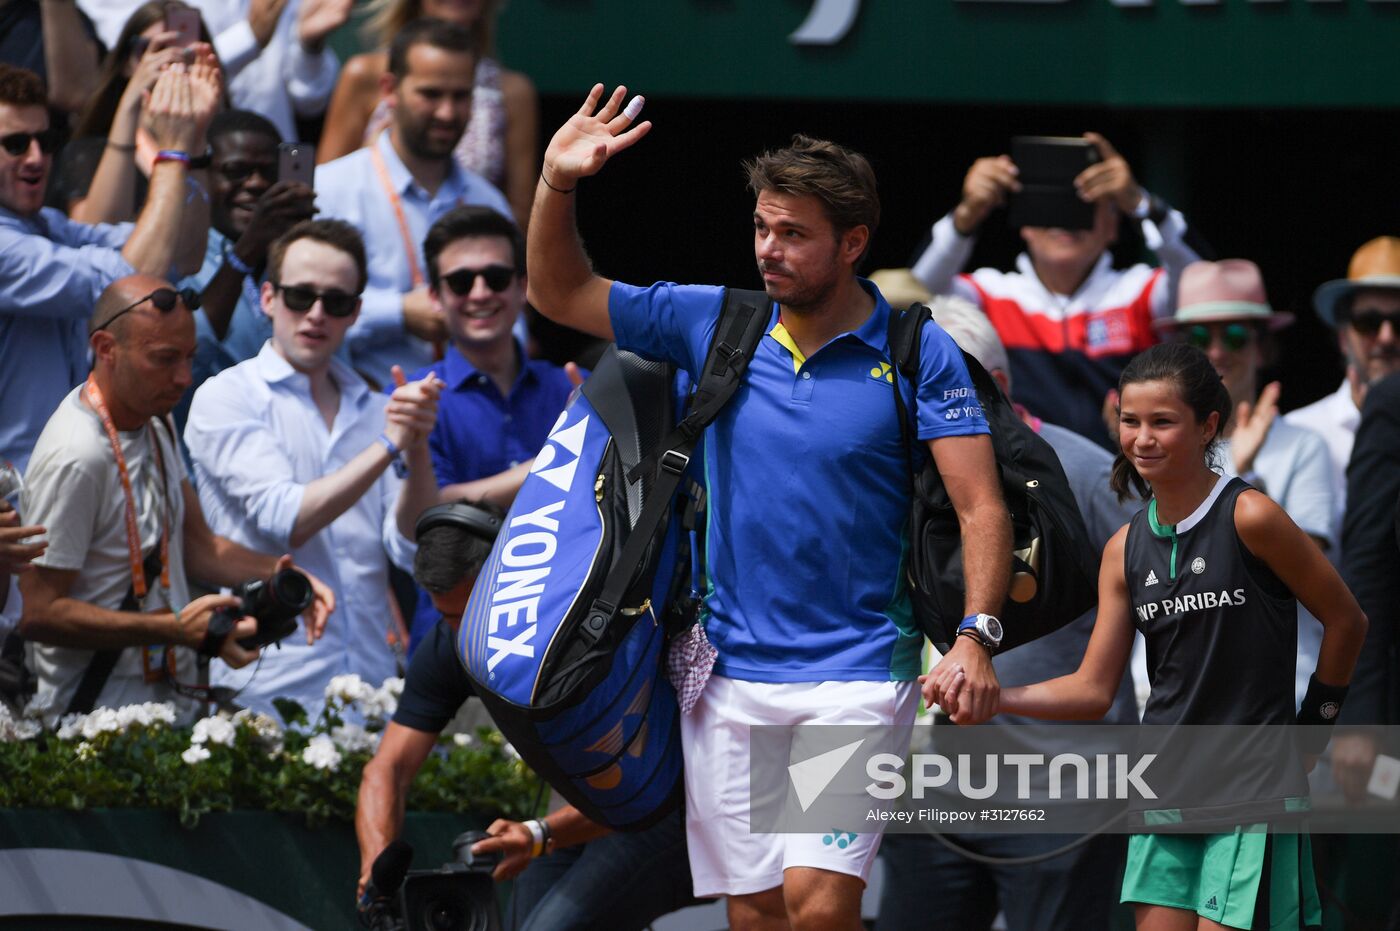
<point>215,730</point>
<point>463,740</point>
<point>100,722</point>
<point>70,726</point>
<point>353,738</point>
<point>12,729</point>
<point>393,685</point>
<point>348,688</point>
<point>511,752</point>
<point>321,753</point>
<point>38,705</point>
<point>197,753</point>
<point>85,751</point>
<point>162,712</point>
<point>380,704</point>
<point>128,715</point>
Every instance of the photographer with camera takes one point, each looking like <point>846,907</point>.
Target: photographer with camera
<point>292,449</point>
<point>106,608</point>
<point>570,874</point>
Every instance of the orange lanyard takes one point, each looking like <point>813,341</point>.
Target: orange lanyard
<point>410,250</point>
<point>133,532</point>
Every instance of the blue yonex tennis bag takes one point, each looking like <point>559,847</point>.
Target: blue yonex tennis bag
<point>565,633</point>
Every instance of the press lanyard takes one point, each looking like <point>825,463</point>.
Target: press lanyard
<point>410,250</point>
<point>133,532</point>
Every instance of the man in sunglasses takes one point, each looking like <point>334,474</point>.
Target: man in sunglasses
<point>107,606</point>
<point>249,208</point>
<point>1364,309</point>
<point>52,270</point>
<point>499,405</point>
<point>1223,310</point>
<point>292,450</point>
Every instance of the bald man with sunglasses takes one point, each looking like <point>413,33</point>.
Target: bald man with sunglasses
<point>292,450</point>
<point>107,607</point>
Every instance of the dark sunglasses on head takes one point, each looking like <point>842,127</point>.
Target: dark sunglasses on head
<point>1368,322</point>
<point>1234,336</point>
<point>163,299</point>
<point>497,277</point>
<point>18,143</point>
<point>300,299</point>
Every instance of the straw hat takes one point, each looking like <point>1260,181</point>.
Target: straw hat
<point>1374,265</point>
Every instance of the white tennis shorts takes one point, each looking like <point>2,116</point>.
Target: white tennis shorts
<point>725,857</point>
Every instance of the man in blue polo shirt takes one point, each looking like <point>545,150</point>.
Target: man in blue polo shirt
<point>498,406</point>
<point>807,478</point>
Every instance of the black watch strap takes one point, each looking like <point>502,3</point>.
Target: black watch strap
<point>221,624</point>
<point>202,161</point>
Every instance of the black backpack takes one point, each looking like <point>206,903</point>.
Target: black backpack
<point>1054,569</point>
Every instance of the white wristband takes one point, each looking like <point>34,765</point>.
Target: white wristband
<point>537,835</point>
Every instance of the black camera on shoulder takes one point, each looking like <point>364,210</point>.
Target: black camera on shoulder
<point>274,602</point>
<point>457,896</point>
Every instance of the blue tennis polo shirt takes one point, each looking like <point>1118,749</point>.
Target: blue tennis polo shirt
<point>808,487</point>
<point>480,432</point>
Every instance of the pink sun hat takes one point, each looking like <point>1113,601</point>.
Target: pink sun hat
<point>1214,292</point>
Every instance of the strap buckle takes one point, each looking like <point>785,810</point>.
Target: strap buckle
<point>674,461</point>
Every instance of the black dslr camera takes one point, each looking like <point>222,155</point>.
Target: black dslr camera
<point>457,896</point>
<point>275,602</point>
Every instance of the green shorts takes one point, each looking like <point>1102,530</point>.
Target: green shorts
<point>1218,876</point>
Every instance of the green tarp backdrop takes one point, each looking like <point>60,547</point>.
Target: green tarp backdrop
<point>1256,53</point>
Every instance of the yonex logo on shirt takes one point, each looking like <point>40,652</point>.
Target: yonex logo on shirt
<point>883,372</point>
<point>1151,577</point>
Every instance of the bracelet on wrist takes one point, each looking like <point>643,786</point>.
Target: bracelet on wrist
<point>121,146</point>
<point>557,190</point>
<point>173,155</point>
<point>537,838</point>
<point>395,455</point>
<point>976,638</point>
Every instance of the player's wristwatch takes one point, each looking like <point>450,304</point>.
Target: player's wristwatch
<point>984,627</point>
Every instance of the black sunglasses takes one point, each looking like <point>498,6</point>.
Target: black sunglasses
<point>1368,322</point>
<point>497,277</point>
<point>163,299</point>
<point>18,143</point>
<point>299,299</point>
<point>1235,336</point>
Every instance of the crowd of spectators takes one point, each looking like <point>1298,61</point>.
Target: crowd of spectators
<point>209,373</point>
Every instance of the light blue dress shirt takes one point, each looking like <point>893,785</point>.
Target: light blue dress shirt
<point>350,189</point>
<point>52,271</point>
<point>257,440</point>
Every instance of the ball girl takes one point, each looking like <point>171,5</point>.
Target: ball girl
<point>1212,659</point>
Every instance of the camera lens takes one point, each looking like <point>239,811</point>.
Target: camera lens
<point>292,589</point>
<point>450,913</point>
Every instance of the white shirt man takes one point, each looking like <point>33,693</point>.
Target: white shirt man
<point>292,449</point>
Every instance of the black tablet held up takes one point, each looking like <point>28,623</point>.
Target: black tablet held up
<point>1048,166</point>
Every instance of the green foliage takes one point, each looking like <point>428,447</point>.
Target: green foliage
<point>136,758</point>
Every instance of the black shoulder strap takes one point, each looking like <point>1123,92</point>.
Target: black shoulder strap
<point>99,668</point>
<point>737,335</point>
<point>905,330</point>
